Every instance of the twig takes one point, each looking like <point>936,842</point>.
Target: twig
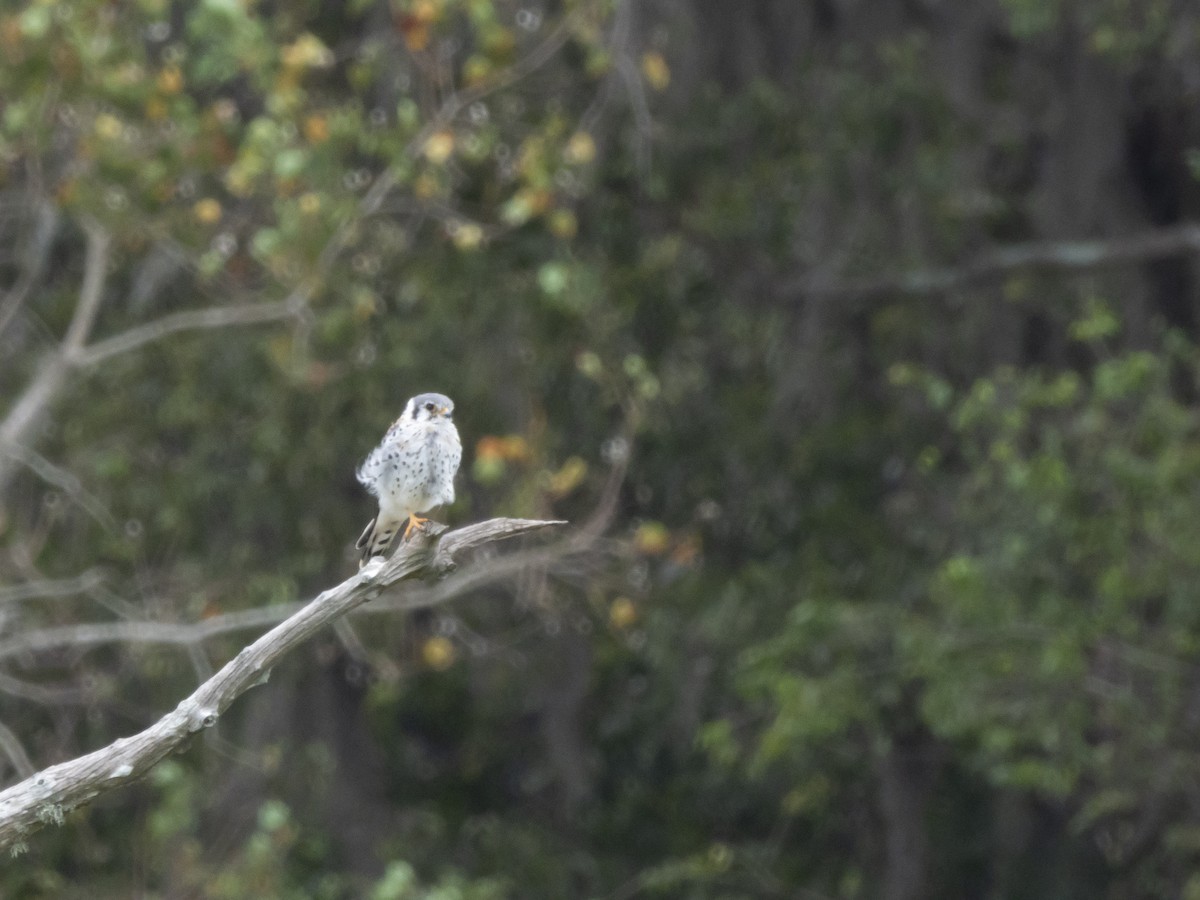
<point>186,634</point>
<point>91,291</point>
<point>553,557</point>
<point>46,796</point>
<point>50,695</point>
<point>15,752</point>
<point>189,320</point>
<point>182,634</point>
<point>53,587</point>
<point>635,88</point>
<point>37,254</point>
<point>1051,256</point>
<point>62,479</point>
<point>617,32</point>
<point>27,412</point>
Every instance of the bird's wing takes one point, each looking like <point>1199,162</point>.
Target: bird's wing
<point>449,453</point>
<point>455,453</point>
<point>397,442</point>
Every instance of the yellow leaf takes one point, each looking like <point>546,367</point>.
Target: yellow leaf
<point>439,147</point>
<point>622,613</point>
<point>656,70</point>
<point>476,69</point>
<point>170,80</point>
<point>563,224</point>
<point>499,43</point>
<point>426,10</point>
<point>156,109</point>
<point>306,52</point>
<point>467,236</point>
<point>652,538</point>
<point>438,653</point>
<point>316,129</point>
<point>415,32</point>
<point>108,127</point>
<point>569,477</point>
<point>207,211</point>
<point>309,203</point>
<point>489,447</point>
<point>238,180</point>
<point>425,186</point>
<point>581,148</point>
<point>514,448</point>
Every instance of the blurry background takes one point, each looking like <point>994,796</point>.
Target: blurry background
<point>864,331</point>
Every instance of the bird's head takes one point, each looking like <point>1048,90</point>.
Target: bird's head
<point>427,408</point>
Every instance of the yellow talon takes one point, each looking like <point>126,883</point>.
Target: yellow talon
<point>414,522</point>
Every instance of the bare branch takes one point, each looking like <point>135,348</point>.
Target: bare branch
<point>36,254</point>
<point>189,320</point>
<point>551,557</point>
<point>31,407</point>
<point>53,587</point>
<point>15,752</point>
<point>62,479</point>
<point>44,798</point>
<point>28,409</point>
<point>141,632</point>
<point>617,44</point>
<point>187,634</point>
<point>627,70</point>
<point>91,292</point>
<point>50,695</point>
<point>1051,256</point>
<point>560,558</point>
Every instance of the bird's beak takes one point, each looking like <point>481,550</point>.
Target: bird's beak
<point>443,410</point>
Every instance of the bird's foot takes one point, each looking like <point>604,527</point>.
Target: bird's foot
<point>414,522</point>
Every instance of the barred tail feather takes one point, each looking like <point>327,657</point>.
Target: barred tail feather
<point>376,538</point>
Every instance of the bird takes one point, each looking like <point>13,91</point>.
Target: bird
<point>411,471</point>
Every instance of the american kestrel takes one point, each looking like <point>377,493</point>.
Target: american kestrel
<point>411,471</point>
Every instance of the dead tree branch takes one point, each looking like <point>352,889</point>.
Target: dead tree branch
<point>61,478</point>
<point>24,417</point>
<point>44,797</point>
<point>16,754</point>
<point>190,634</point>
<point>36,255</point>
<point>1048,256</point>
<point>188,320</point>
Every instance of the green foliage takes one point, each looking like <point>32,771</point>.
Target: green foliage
<point>1059,621</point>
<point>1114,29</point>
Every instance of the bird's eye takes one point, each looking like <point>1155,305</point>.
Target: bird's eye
<point>428,407</point>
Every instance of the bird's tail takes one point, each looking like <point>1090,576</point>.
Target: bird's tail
<point>376,538</point>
